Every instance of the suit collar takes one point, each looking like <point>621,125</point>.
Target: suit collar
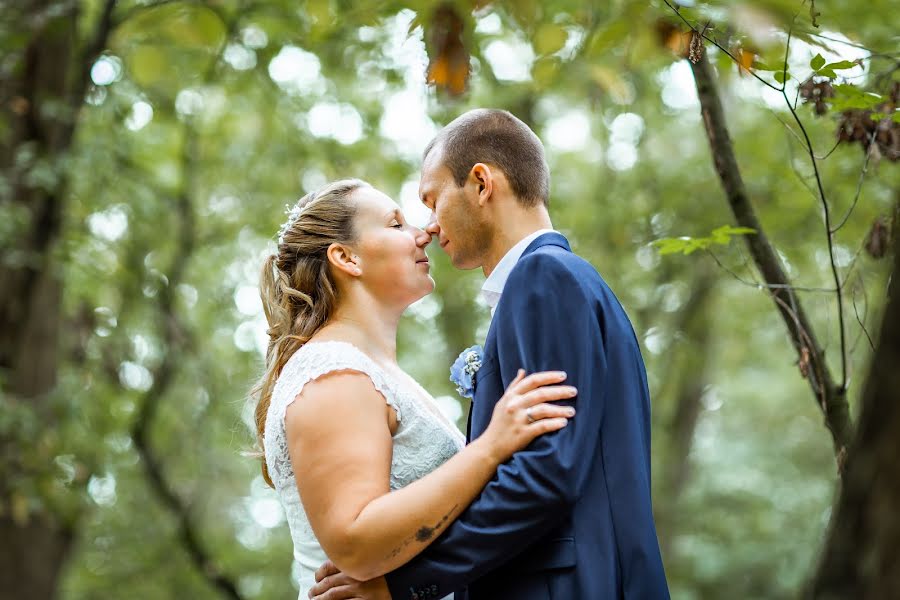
<point>493,285</point>
<point>552,238</point>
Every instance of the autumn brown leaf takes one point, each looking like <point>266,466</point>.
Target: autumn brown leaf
<point>674,38</point>
<point>745,60</point>
<point>448,65</point>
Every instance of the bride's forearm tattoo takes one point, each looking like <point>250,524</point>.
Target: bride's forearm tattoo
<point>424,534</point>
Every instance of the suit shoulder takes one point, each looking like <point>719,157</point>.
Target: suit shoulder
<point>557,263</point>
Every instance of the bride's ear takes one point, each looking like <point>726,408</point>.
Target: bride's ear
<point>344,260</point>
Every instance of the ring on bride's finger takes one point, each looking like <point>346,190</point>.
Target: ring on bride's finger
<point>528,415</point>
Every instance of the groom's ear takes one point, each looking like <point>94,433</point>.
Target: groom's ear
<point>483,179</point>
<point>344,260</point>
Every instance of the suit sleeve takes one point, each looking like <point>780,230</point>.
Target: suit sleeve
<point>552,326</point>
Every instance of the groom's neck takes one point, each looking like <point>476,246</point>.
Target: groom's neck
<point>514,226</point>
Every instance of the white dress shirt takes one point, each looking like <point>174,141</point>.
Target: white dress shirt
<point>493,286</point>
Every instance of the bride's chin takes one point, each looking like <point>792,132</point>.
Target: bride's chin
<point>427,290</point>
<point>422,293</point>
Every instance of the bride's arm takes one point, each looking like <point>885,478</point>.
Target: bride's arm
<point>339,439</point>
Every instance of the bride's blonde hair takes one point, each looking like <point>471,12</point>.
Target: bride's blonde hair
<point>296,285</point>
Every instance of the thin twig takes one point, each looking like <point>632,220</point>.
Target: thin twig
<point>862,175</point>
<point>830,152</point>
<point>800,176</point>
<point>890,55</point>
<point>853,262</point>
<point>799,139</point>
<point>830,397</point>
<point>829,236</point>
<point>817,382</point>
<point>715,42</point>
<point>765,286</point>
<point>859,320</point>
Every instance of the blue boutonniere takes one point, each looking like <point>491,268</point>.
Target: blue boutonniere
<point>462,373</point>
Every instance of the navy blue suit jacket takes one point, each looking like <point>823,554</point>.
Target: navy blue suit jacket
<point>569,517</point>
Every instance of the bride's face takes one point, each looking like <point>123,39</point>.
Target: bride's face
<point>391,252</point>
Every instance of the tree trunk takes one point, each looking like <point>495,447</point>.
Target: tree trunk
<point>861,559</point>
<point>41,91</point>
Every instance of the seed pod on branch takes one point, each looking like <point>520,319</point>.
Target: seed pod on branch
<point>817,92</point>
<point>874,127</point>
<point>879,238</point>
<point>696,49</point>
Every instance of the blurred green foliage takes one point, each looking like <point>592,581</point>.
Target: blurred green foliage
<point>242,106</point>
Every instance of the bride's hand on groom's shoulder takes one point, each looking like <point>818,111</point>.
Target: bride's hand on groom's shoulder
<point>524,412</point>
<point>332,584</point>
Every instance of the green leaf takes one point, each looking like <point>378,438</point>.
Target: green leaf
<point>722,235</point>
<point>688,245</point>
<point>817,62</point>
<point>671,245</point>
<point>896,117</point>
<point>544,71</point>
<point>550,38</point>
<point>608,37</point>
<point>733,230</point>
<point>782,76</point>
<point>877,116</point>
<point>826,72</point>
<point>842,64</point>
<point>847,97</point>
<point>761,66</point>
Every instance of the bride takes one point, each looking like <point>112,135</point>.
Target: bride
<point>368,469</point>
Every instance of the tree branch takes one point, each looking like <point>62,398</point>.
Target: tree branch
<point>828,230</point>
<point>712,40</point>
<point>92,50</point>
<point>830,397</point>
<point>174,336</point>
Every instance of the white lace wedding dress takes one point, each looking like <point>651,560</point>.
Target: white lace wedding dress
<point>423,441</point>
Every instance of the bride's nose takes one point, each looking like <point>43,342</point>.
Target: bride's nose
<point>422,237</point>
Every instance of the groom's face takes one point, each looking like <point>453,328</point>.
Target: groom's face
<point>456,218</point>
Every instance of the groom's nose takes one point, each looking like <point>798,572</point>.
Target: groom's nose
<point>432,228</point>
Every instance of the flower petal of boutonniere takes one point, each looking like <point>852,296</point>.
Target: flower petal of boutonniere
<point>462,373</point>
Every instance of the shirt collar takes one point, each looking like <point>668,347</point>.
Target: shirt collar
<point>494,284</point>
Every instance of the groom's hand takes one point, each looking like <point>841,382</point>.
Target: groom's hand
<point>331,584</point>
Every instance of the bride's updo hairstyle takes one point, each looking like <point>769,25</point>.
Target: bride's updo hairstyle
<point>297,287</point>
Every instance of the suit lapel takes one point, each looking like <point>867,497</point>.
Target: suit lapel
<point>547,239</point>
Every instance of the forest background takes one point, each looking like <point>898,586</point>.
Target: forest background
<point>730,168</point>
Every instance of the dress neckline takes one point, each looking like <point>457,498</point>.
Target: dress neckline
<point>425,400</point>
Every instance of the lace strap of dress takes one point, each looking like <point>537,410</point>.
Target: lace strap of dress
<point>309,363</point>
<point>320,358</point>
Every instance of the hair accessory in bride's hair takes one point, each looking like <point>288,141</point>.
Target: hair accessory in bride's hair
<point>293,214</point>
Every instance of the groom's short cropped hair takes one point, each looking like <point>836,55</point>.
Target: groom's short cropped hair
<point>499,139</point>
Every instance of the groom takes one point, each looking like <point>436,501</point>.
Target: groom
<point>569,517</point>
